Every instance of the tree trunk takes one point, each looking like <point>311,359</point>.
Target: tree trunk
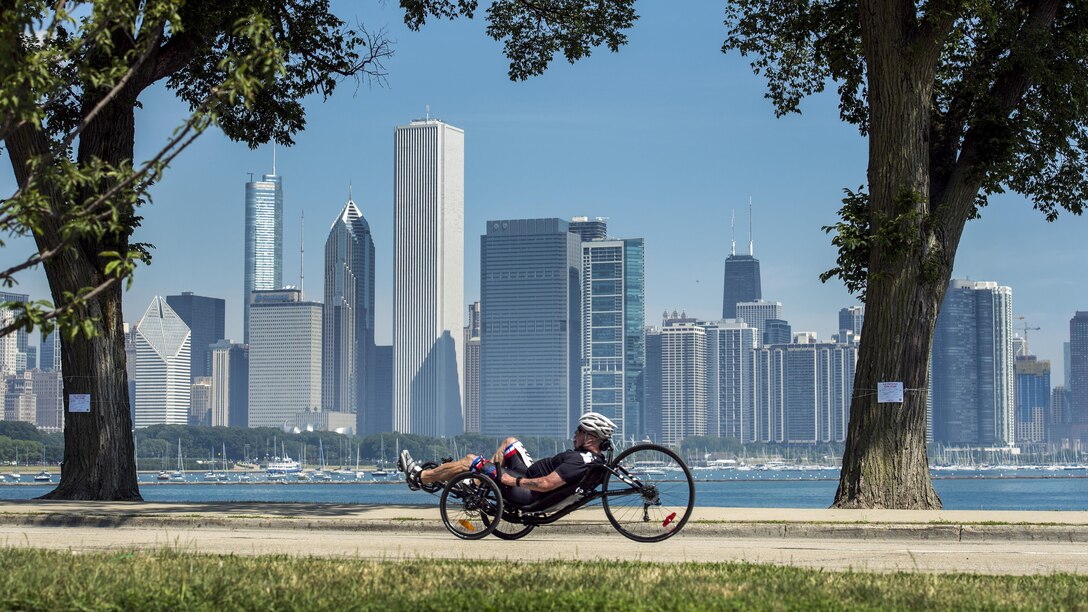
<point>885,463</point>
<point>98,449</point>
<point>99,462</point>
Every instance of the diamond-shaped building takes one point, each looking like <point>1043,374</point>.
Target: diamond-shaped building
<point>162,367</point>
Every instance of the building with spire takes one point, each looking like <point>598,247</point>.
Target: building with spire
<point>428,277</point>
<point>348,329</point>
<point>163,386</point>
<point>264,237</point>
<point>742,281</point>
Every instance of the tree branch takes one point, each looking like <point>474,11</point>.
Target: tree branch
<point>956,200</point>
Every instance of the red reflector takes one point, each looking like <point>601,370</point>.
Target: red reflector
<point>668,519</point>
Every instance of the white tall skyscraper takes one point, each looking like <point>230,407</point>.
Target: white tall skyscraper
<point>428,277</point>
<point>162,367</point>
<point>284,357</point>
<point>264,237</point>
<point>683,381</point>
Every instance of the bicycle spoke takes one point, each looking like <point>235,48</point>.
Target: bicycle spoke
<point>661,498</point>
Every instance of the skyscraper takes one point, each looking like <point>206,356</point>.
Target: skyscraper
<point>50,352</point>
<point>741,282</point>
<point>205,318</point>
<point>589,229</point>
<point>758,312</point>
<point>972,380</point>
<point>428,277</point>
<point>1032,398</point>
<point>49,389</point>
<point>851,319</point>
<point>530,302</point>
<point>383,392</point>
<point>803,392</point>
<point>613,332</point>
<point>1077,381</point>
<point>230,383</point>
<point>163,388</point>
<point>729,379</point>
<point>20,337</point>
<point>348,331</point>
<point>200,405</point>
<point>284,357</point>
<point>777,331</point>
<point>264,238</point>
<point>471,378</point>
<point>651,402</point>
<point>683,381</point>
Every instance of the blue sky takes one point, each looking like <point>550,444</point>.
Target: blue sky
<point>665,138</point>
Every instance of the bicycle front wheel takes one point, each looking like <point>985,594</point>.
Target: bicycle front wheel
<point>469,504</point>
<point>652,496</point>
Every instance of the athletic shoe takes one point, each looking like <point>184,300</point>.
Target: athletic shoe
<point>411,471</point>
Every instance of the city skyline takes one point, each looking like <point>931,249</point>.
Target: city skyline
<point>561,145</point>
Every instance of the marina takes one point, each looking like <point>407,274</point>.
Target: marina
<point>1019,488</point>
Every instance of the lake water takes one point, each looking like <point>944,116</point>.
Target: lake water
<point>959,490</point>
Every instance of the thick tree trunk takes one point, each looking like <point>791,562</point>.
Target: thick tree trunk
<point>98,449</point>
<point>885,463</point>
<point>99,462</point>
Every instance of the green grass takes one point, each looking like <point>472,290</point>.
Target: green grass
<point>43,580</point>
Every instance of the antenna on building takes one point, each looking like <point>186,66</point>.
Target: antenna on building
<point>250,176</point>
<point>349,191</point>
<point>302,261</point>
<point>750,250</point>
<point>273,158</point>
<point>733,242</point>
<point>427,111</point>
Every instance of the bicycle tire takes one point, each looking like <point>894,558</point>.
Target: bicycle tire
<point>663,505</point>
<point>466,500</point>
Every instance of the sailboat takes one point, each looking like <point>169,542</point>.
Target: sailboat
<point>16,475</point>
<point>300,475</point>
<point>320,473</point>
<point>380,471</point>
<point>344,469</point>
<point>179,474</point>
<point>359,474</point>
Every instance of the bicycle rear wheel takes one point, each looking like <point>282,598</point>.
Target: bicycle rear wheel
<point>469,504</point>
<point>653,497</point>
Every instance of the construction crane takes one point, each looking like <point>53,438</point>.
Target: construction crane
<point>1026,329</point>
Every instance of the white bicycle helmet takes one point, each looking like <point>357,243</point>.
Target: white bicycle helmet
<point>597,424</point>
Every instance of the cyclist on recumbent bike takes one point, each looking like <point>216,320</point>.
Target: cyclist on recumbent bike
<point>522,479</point>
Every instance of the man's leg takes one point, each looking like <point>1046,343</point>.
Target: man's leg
<point>446,471</point>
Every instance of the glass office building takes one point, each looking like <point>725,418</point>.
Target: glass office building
<point>530,308</point>
<point>264,238</point>
<point>613,332</point>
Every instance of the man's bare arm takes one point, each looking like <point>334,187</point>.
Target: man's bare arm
<point>545,483</point>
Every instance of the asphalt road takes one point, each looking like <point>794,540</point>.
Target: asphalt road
<point>838,554</point>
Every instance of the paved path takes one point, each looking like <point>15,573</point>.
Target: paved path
<point>993,557</point>
<point>943,541</point>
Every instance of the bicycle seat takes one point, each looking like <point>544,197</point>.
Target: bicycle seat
<point>566,494</point>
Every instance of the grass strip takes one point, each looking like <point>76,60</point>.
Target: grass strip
<point>32,579</point>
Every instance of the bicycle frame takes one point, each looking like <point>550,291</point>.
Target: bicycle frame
<point>542,517</point>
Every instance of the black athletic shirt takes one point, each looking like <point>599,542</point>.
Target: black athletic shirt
<point>570,465</point>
